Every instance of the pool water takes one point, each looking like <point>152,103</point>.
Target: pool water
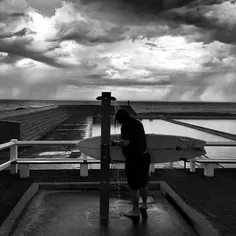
<point>91,126</point>
<point>228,126</point>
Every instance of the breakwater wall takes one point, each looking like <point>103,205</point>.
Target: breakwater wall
<point>186,115</point>
<point>35,124</point>
<point>24,111</point>
<point>207,130</point>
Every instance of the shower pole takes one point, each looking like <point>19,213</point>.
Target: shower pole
<point>105,154</point>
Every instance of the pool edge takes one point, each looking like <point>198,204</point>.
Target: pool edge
<point>9,225</point>
<point>197,221</point>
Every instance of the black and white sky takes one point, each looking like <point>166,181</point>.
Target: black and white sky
<point>161,50</point>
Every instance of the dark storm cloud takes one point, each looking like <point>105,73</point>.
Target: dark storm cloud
<point>5,16</point>
<point>211,28</point>
<point>10,59</point>
<point>102,79</point>
<point>150,7</point>
<point>20,33</point>
<point>17,14</point>
<point>82,33</point>
<point>141,7</point>
<point>170,13</point>
<point>19,48</point>
<point>46,7</point>
<point>222,35</point>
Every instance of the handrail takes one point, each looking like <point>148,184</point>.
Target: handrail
<point>74,142</point>
<point>55,160</point>
<point>5,165</point>
<point>6,145</point>
<point>13,144</point>
<point>28,143</point>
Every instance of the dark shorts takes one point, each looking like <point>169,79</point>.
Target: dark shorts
<point>137,172</point>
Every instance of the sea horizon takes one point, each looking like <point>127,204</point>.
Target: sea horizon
<point>130,101</point>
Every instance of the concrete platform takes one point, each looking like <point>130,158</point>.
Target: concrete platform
<point>72,208</point>
<point>68,213</point>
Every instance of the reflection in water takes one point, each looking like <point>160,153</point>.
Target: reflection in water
<point>228,126</point>
<point>222,153</point>
<point>162,127</point>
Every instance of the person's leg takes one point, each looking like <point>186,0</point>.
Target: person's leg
<point>135,201</point>
<point>134,192</point>
<point>144,181</point>
<point>144,194</point>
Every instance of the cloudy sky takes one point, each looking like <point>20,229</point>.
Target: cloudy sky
<point>162,50</point>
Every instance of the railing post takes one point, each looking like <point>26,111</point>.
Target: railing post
<point>152,167</point>
<point>105,155</point>
<point>209,169</point>
<point>14,156</point>
<point>84,169</point>
<point>24,170</point>
<point>192,165</point>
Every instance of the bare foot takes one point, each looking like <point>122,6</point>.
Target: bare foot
<point>144,206</point>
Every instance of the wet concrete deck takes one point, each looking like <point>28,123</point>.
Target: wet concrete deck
<point>70,213</point>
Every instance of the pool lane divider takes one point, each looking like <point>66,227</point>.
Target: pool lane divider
<point>197,221</point>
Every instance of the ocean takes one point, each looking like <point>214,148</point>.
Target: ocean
<point>138,106</point>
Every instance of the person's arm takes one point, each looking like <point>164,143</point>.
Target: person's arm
<point>123,143</point>
<point>120,143</point>
<point>137,139</point>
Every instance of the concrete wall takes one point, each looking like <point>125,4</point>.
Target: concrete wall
<point>9,130</point>
<point>35,125</point>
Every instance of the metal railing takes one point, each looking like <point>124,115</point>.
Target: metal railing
<point>14,144</point>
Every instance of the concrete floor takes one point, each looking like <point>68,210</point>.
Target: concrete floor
<point>76,213</point>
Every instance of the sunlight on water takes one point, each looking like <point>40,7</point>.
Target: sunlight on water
<point>164,127</point>
<point>228,126</point>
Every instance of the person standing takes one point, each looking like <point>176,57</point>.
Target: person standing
<point>134,148</point>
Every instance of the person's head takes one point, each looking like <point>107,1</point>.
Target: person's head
<point>122,116</point>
